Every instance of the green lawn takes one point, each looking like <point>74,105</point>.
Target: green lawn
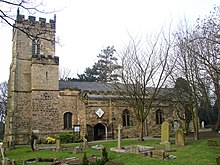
<point>194,153</point>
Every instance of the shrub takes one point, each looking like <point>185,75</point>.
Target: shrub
<point>67,137</point>
<point>85,160</point>
<point>50,140</point>
<point>104,158</point>
<point>105,155</point>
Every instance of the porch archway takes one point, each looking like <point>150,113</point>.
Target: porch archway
<point>100,131</point>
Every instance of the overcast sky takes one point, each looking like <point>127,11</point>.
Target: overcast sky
<point>85,27</point>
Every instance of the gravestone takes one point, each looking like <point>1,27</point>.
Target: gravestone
<point>58,146</point>
<point>35,144</point>
<point>212,143</point>
<point>78,149</point>
<point>180,137</point>
<point>134,149</point>
<point>149,153</point>
<point>158,154</point>
<point>167,145</point>
<point>165,132</point>
<point>175,125</point>
<point>119,136</point>
<point>203,125</point>
<point>33,138</point>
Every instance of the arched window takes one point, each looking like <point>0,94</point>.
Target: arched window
<point>126,118</point>
<point>159,116</point>
<point>35,46</point>
<point>67,118</point>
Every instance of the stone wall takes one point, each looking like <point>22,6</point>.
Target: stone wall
<point>113,110</point>
<point>45,111</point>
<point>44,73</point>
<point>69,102</point>
<point>18,121</point>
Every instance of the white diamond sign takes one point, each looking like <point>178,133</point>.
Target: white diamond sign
<point>99,112</point>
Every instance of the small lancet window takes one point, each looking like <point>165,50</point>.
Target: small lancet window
<point>126,118</point>
<point>46,75</point>
<point>159,116</point>
<point>35,46</point>
<point>67,118</point>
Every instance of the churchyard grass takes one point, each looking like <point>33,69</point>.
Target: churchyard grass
<point>194,153</point>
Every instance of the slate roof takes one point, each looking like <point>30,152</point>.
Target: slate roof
<point>86,86</point>
<point>165,93</point>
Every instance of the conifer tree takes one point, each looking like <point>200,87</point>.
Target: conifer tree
<point>105,70</point>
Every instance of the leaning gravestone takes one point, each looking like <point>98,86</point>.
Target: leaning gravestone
<point>180,137</point>
<point>165,132</point>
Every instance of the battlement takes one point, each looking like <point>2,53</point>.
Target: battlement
<point>42,22</point>
<point>42,59</point>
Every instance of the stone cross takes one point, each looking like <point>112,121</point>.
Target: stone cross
<point>119,136</point>
<point>165,132</point>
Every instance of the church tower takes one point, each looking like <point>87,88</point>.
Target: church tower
<point>33,84</point>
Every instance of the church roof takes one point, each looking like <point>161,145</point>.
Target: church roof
<point>165,93</point>
<point>86,86</point>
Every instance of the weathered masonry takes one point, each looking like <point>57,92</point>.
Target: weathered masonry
<point>39,102</point>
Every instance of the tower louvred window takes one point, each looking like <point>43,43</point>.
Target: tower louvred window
<point>35,46</point>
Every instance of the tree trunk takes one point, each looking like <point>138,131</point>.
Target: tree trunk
<point>141,137</point>
<point>187,128</point>
<point>195,126</point>
<point>217,126</point>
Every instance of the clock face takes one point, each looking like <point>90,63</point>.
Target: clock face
<point>99,112</point>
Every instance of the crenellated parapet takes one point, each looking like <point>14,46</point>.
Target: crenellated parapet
<point>41,22</point>
<point>45,59</point>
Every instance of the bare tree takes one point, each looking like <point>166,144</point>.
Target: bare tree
<point>8,17</point>
<point>3,100</point>
<point>145,69</point>
<point>197,49</point>
<point>64,74</point>
<point>207,40</point>
<point>201,46</point>
<point>189,67</point>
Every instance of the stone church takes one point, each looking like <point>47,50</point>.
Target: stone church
<point>39,102</point>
